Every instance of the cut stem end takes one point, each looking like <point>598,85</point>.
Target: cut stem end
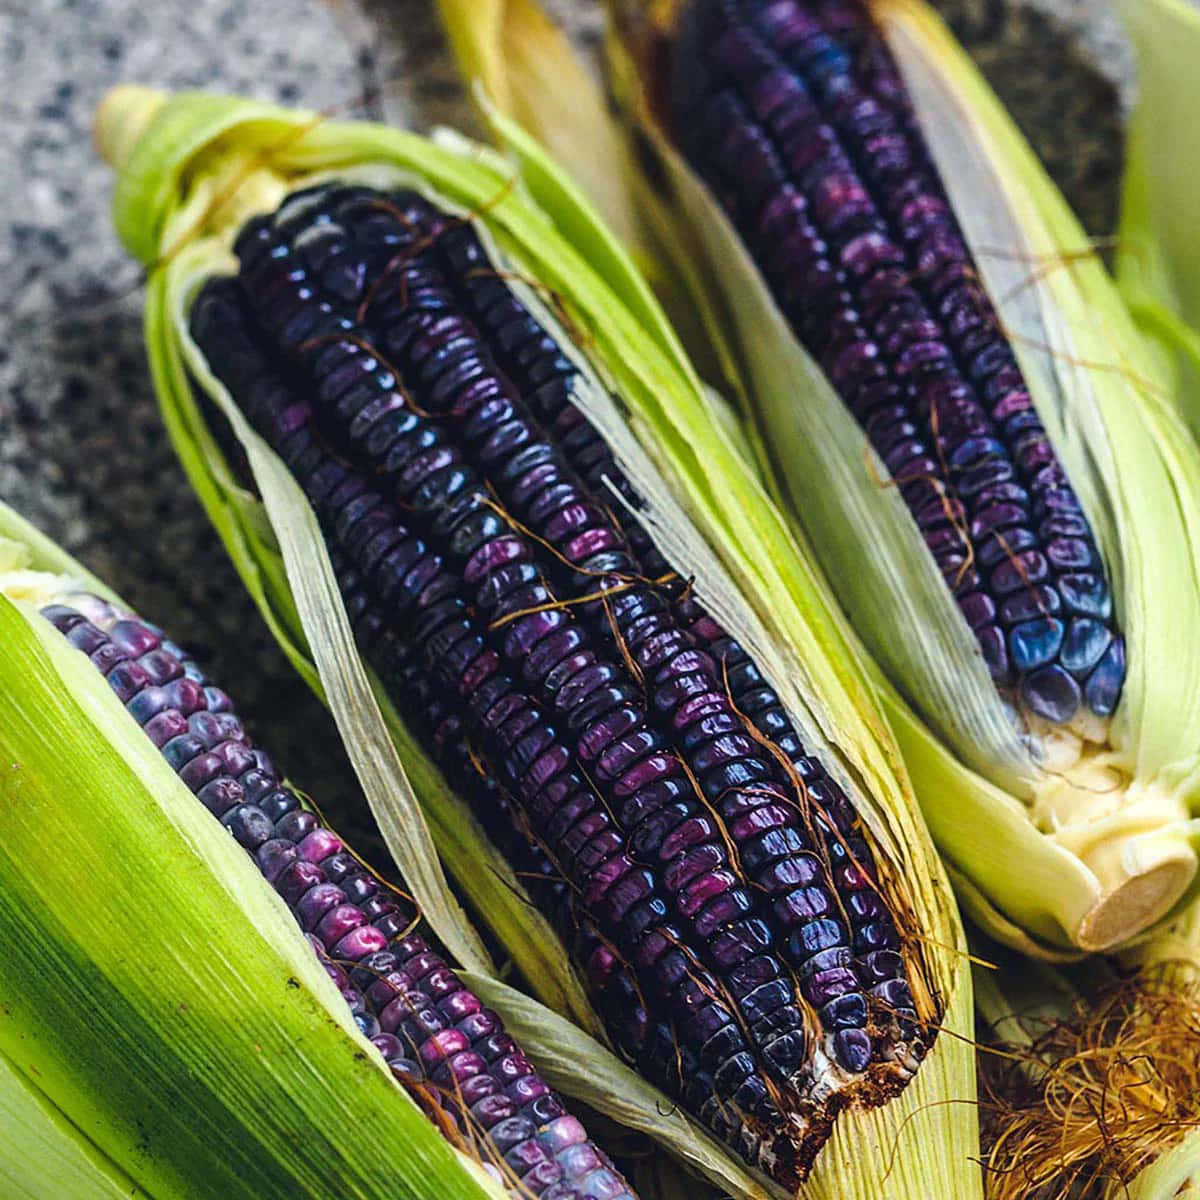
<point>1142,899</point>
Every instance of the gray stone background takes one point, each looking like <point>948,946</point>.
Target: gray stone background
<point>82,453</point>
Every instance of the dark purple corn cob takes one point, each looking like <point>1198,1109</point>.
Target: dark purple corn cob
<point>639,776</point>
<point>709,878</point>
<point>424,599</point>
<point>435,1034</point>
<point>441,352</point>
<point>795,114</point>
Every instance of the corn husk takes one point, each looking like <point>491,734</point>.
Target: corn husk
<point>1158,249</point>
<point>1158,270</point>
<point>1108,848</point>
<point>53,1153</point>
<point>165,1029</point>
<point>204,164</point>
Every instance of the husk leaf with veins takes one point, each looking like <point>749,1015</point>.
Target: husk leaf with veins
<point>202,167</point>
<point>1047,1016</point>
<point>165,1029</point>
<point>1158,270</point>
<point>1107,840</point>
<point>1158,246</point>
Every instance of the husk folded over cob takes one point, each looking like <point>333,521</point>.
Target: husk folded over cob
<point>1076,854</point>
<point>165,1029</point>
<point>200,168</point>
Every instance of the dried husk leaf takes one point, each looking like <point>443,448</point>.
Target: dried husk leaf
<point>158,1004</point>
<point>224,159</point>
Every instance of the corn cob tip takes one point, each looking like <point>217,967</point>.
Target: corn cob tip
<point>121,119</point>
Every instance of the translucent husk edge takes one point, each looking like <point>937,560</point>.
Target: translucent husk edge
<point>1158,271</point>
<point>194,149</point>
<point>165,1029</point>
<point>53,1152</point>
<point>1094,877</point>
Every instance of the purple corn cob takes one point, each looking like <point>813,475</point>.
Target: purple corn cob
<point>435,1034</point>
<point>424,599</point>
<point>795,114</point>
<point>713,883</point>
<point>634,767</point>
<point>534,361</point>
<point>443,354</point>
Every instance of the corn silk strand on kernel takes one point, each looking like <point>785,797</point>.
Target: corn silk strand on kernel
<point>795,114</point>
<point>690,842</point>
<point>436,1036</point>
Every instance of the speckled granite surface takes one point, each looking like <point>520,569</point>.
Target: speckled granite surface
<point>81,450</point>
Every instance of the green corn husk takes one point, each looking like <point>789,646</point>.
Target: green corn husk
<point>165,1029</point>
<point>1158,248</point>
<point>54,1154</point>
<point>1116,1037</point>
<point>1158,270</point>
<point>192,170</point>
<point>1108,849</point>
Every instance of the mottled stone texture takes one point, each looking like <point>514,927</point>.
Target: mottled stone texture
<point>81,449</point>
<point>1066,71</point>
